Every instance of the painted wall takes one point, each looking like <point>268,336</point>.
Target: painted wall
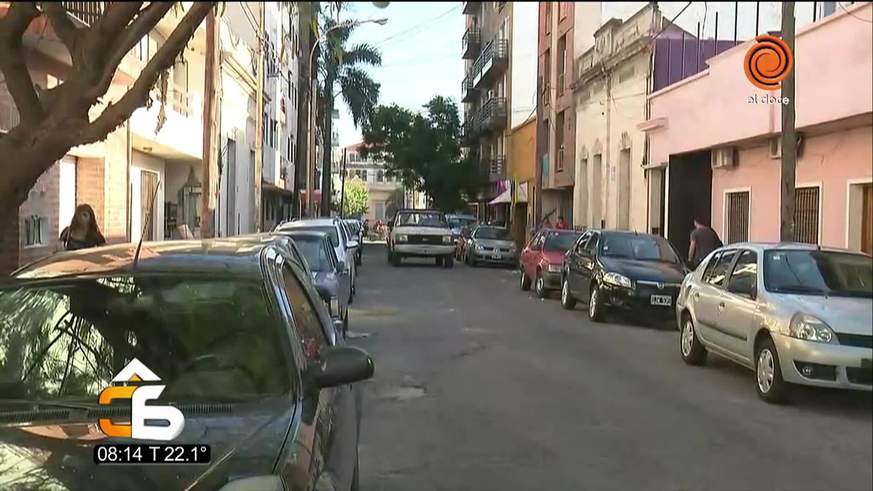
<point>522,165</point>
<point>831,160</point>
<point>144,162</point>
<point>687,108</point>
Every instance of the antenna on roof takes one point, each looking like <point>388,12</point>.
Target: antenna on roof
<point>147,224</point>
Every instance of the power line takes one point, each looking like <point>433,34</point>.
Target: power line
<point>420,26</point>
<point>853,15</point>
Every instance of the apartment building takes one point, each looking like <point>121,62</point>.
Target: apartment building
<point>486,94</point>
<point>556,128</point>
<point>386,194</point>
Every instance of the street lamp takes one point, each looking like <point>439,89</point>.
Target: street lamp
<point>310,168</point>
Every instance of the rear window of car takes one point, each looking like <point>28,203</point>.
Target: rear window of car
<point>208,339</point>
<point>314,253</point>
<point>492,233</point>
<point>330,230</point>
<point>560,241</point>
<point>718,273</point>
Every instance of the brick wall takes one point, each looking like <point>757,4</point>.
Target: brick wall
<point>89,187</point>
<point>43,201</point>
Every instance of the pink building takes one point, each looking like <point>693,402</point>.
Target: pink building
<point>722,150</point>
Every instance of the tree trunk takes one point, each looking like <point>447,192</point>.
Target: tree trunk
<point>327,156</point>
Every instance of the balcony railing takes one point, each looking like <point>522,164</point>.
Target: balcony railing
<point>468,92</point>
<point>470,8</point>
<point>491,62</point>
<point>181,101</point>
<point>470,131</point>
<point>87,12</point>
<point>492,116</point>
<point>470,44</point>
<point>496,167</point>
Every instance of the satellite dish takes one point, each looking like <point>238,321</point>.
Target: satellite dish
<point>380,5</point>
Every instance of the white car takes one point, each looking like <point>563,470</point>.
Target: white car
<point>794,313</point>
<point>421,233</point>
<point>345,247</point>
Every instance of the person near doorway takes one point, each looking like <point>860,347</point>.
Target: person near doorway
<point>546,223</point>
<point>562,225</point>
<point>703,241</point>
<point>83,231</point>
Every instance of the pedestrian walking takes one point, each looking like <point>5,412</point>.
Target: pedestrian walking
<point>703,241</point>
<point>83,231</point>
<point>562,225</point>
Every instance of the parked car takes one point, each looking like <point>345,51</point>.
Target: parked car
<point>458,222</point>
<point>793,313</point>
<point>493,245</point>
<point>284,243</point>
<point>329,274</point>
<point>356,230</point>
<point>622,270</point>
<point>461,242</point>
<point>344,246</point>
<point>542,259</point>
<point>420,233</point>
<point>237,336</point>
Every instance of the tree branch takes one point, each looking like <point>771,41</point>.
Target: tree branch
<point>64,28</point>
<point>136,97</point>
<point>12,28</point>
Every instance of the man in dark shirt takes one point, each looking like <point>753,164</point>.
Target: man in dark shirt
<point>703,241</point>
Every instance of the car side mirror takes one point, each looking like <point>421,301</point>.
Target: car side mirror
<point>341,266</point>
<point>352,244</point>
<point>339,365</point>
<point>323,292</point>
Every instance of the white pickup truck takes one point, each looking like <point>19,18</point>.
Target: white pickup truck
<point>420,233</point>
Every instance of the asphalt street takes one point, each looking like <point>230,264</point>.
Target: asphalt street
<point>481,386</point>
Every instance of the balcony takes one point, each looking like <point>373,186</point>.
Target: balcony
<point>470,131</point>
<point>470,8</point>
<point>492,116</point>
<point>86,12</point>
<point>468,93</point>
<point>496,167</point>
<point>491,62</point>
<point>470,44</point>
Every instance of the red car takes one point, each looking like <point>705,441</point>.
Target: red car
<point>542,259</point>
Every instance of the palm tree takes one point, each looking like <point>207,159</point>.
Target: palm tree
<point>341,66</point>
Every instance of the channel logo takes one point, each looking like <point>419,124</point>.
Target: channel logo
<point>768,62</point>
<point>137,372</point>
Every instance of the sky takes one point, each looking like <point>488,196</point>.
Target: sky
<point>421,54</point>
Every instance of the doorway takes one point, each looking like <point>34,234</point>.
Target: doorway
<point>148,188</point>
<point>594,188</point>
<point>689,196</point>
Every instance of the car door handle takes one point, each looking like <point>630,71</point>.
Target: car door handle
<point>721,306</point>
<point>696,296</point>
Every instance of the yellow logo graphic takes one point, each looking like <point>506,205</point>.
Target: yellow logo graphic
<point>135,371</point>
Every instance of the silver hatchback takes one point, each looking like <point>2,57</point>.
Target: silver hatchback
<point>793,313</point>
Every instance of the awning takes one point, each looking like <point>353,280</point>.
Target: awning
<point>269,187</point>
<point>504,197</point>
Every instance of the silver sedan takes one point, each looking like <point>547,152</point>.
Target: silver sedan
<point>793,313</point>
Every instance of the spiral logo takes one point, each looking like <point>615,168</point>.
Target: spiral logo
<point>768,62</point>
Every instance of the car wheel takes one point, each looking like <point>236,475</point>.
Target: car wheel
<point>395,260</point>
<point>471,261</point>
<point>346,324</point>
<point>692,350</point>
<point>595,309</point>
<point>540,286</point>
<point>771,386</point>
<point>525,281</point>
<point>567,300</point>
<point>449,261</point>
<point>439,261</point>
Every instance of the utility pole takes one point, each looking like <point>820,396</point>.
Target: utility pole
<point>343,187</point>
<point>259,125</point>
<point>210,130</point>
<point>789,140</point>
<point>311,154</point>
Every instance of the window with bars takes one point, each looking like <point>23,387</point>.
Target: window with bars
<point>737,217</point>
<point>806,214</point>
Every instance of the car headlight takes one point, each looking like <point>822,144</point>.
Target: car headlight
<point>402,238</point>
<point>479,247</point>
<point>447,239</point>
<point>616,279</point>
<point>810,328</point>
<point>555,268</point>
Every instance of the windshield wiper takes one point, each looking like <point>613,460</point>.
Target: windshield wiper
<point>56,404</point>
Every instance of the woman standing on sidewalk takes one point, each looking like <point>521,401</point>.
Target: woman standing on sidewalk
<point>83,231</point>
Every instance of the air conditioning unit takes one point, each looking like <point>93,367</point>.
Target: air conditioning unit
<point>724,158</point>
<point>776,146</point>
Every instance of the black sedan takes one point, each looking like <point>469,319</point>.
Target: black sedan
<point>622,270</point>
<point>244,354</point>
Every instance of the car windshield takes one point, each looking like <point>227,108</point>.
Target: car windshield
<point>208,339</point>
<point>492,233</point>
<point>638,247</point>
<point>810,272</point>
<point>560,241</point>
<point>328,229</point>
<point>314,253</point>
<point>421,219</point>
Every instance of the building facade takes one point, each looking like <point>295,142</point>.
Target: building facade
<point>726,169</point>
<point>386,194</point>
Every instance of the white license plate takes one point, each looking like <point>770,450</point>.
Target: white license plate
<point>661,300</point>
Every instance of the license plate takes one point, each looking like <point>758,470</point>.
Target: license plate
<point>495,256</point>
<point>661,300</point>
